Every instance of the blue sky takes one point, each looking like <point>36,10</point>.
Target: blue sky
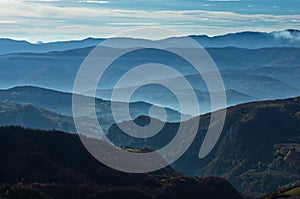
<point>49,20</point>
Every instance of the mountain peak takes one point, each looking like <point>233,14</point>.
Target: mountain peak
<point>293,30</point>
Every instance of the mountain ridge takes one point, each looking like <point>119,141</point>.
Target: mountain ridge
<point>258,151</point>
<point>278,38</point>
<point>53,164</point>
<point>30,116</point>
<point>61,103</point>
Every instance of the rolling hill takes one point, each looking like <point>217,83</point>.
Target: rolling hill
<point>258,151</point>
<point>27,115</point>
<point>291,192</point>
<point>257,74</point>
<point>61,103</point>
<point>57,70</point>
<point>51,164</point>
<point>165,98</point>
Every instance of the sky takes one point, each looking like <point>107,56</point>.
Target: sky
<point>53,20</point>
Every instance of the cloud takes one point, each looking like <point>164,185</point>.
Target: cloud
<point>40,1</point>
<point>94,1</point>
<point>133,24</point>
<point>288,35</point>
<point>33,20</point>
<point>224,0</point>
<point>7,22</point>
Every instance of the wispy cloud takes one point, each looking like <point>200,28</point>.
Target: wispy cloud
<point>40,0</point>
<point>94,1</point>
<point>47,21</point>
<point>287,35</point>
<point>133,24</point>
<point>224,0</point>
<point>7,22</point>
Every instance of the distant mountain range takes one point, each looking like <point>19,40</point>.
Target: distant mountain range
<point>249,75</point>
<point>36,107</point>
<point>258,151</point>
<point>14,46</point>
<point>31,116</point>
<point>166,98</point>
<point>253,40</point>
<point>250,40</point>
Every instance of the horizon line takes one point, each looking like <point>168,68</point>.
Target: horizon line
<point>140,38</point>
